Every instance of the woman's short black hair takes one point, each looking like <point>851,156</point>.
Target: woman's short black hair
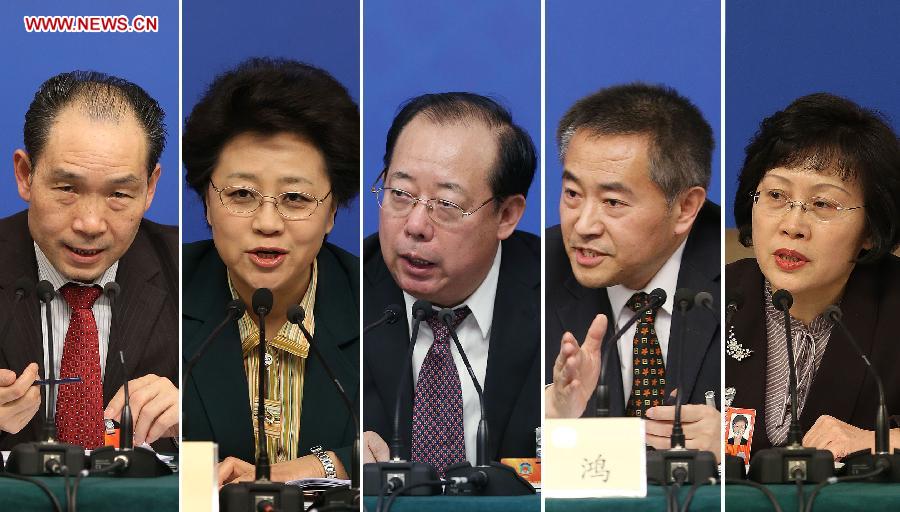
<point>832,135</point>
<point>270,96</point>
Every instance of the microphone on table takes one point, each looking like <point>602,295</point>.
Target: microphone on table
<point>262,493</point>
<point>679,464</point>
<point>601,394</point>
<point>47,457</point>
<point>390,317</point>
<point>866,461</point>
<point>343,497</point>
<point>734,301</point>
<point>485,478</point>
<point>381,477</point>
<point>793,462</point>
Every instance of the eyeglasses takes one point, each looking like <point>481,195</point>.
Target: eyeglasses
<point>243,201</point>
<point>775,202</point>
<point>399,203</point>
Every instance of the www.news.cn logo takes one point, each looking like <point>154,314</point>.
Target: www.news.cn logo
<point>120,23</point>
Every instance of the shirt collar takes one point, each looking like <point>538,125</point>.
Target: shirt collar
<point>46,271</point>
<point>666,278</point>
<point>481,302</point>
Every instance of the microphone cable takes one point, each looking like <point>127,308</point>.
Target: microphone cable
<point>762,488</point>
<point>46,490</point>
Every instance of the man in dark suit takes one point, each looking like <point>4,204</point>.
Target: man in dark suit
<point>89,172</point>
<point>634,217</point>
<point>463,159</point>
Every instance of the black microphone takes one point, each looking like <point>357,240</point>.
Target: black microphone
<point>233,310</point>
<point>47,457</point>
<point>262,305</point>
<point>734,301</point>
<point>657,299</point>
<point>341,496</point>
<point>390,317</point>
<point>783,300</point>
<point>126,461</point>
<point>386,477</point>
<point>22,288</point>
<point>261,494</point>
<point>447,317</point>
<point>864,462</point>
<point>705,300</point>
<point>486,478</point>
<point>679,465</point>
<point>793,463</point>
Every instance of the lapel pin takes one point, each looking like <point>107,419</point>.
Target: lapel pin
<point>735,349</point>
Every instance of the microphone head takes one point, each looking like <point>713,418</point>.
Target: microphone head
<point>421,309</point>
<point>446,316</point>
<point>684,299</point>
<point>296,314</point>
<point>45,291</point>
<point>112,289</point>
<point>236,307</point>
<point>704,299</point>
<point>393,313</point>
<point>834,313</point>
<point>262,300</point>
<point>23,286</point>
<point>782,300</point>
<point>734,299</point>
<point>660,295</point>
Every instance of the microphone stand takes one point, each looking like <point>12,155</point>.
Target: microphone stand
<point>47,457</point>
<point>343,497</point>
<point>678,464</point>
<point>866,461</point>
<point>485,478</point>
<point>387,477</point>
<point>794,462</point>
<point>261,494</point>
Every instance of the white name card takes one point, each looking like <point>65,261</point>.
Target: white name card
<point>594,458</point>
<point>199,475</point>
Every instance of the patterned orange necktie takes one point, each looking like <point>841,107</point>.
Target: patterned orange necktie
<point>649,374</point>
<point>79,406</point>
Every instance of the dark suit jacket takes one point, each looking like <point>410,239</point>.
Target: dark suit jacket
<point>512,384</point>
<point>842,387</point>
<point>144,322</point>
<point>571,307</point>
<point>216,402</point>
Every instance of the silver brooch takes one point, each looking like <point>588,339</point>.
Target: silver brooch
<point>735,349</point>
<point>268,360</point>
<point>728,396</point>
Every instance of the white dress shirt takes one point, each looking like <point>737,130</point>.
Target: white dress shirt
<point>61,314</point>
<point>667,279</point>
<point>474,335</point>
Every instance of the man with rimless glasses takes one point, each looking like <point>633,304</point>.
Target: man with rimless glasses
<point>272,150</point>
<point>457,170</point>
<point>818,200</point>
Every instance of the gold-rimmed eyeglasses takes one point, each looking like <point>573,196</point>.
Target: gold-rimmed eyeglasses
<point>773,201</point>
<point>244,201</point>
<point>399,203</point>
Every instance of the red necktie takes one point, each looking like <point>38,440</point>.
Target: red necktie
<point>649,379</point>
<point>438,431</point>
<point>79,406</point>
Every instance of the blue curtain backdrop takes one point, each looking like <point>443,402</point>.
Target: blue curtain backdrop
<point>219,34</point>
<point>149,59</point>
<point>595,44</point>
<point>412,47</point>
<point>778,51</point>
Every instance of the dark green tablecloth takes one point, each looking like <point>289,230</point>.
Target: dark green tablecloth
<point>839,497</point>
<point>531,503</point>
<point>707,498</point>
<point>94,494</point>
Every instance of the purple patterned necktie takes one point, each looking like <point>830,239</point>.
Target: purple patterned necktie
<point>437,429</point>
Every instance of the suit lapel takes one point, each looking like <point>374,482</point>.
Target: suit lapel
<point>510,356</point>
<point>219,378</point>
<point>323,408</point>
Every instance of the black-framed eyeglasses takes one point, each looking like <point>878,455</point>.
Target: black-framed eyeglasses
<point>244,201</point>
<point>773,201</point>
<point>399,203</point>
